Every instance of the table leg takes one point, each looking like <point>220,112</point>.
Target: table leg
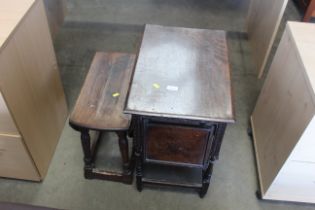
<point>138,152</point>
<point>86,146</point>
<point>139,172</point>
<point>206,180</point>
<point>132,128</point>
<point>123,146</point>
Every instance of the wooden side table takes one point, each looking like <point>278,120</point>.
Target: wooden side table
<point>180,99</point>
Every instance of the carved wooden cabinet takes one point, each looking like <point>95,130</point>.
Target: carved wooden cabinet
<point>180,99</point>
<point>32,101</point>
<point>178,144</point>
<point>177,152</point>
<point>283,121</point>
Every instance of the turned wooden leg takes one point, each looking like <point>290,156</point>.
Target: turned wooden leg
<point>138,153</point>
<point>138,157</point>
<point>206,180</point>
<point>123,146</point>
<point>139,171</point>
<point>131,129</point>
<point>86,146</point>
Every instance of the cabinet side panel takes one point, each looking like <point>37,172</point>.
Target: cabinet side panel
<point>263,21</point>
<point>296,180</point>
<point>31,85</point>
<point>11,13</point>
<point>15,161</point>
<point>7,125</point>
<point>283,110</point>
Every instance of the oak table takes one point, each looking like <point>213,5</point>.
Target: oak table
<point>180,99</point>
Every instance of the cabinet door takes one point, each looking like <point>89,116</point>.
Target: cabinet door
<point>15,161</point>
<point>7,125</point>
<point>176,144</point>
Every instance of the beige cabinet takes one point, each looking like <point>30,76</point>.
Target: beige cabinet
<point>263,21</point>
<point>32,102</point>
<point>283,120</point>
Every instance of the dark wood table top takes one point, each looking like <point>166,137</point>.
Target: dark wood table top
<point>182,73</point>
<point>102,98</point>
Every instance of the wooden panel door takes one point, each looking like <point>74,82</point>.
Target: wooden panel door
<point>177,144</point>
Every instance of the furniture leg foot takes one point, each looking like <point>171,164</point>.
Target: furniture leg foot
<point>204,189</point>
<point>86,146</point>
<point>139,184</point>
<point>206,180</point>
<point>250,132</point>
<point>258,194</point>
<point>139,172</point>
<point>88,173</point>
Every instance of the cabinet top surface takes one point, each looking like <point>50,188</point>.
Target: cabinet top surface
<point>303,35</point>
<point>182,73</point>
<point>11,13</point>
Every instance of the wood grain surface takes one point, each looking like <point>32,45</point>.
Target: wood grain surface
<point>263,22</point>
<point>11,13</point>
<point>102,97</point>
<point>182,73</point>
<point>303,36</point>
<point>176,144</point>
<point>31,86</point>
<point>15,161</point>
<point>284,110</point>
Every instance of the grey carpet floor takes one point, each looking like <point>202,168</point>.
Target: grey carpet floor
<point>117,25</point>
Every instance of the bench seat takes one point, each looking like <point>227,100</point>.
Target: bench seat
<point>99,107</point>
<point>102,97</point>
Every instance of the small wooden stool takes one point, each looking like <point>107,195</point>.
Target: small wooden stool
<point>100,106</point>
